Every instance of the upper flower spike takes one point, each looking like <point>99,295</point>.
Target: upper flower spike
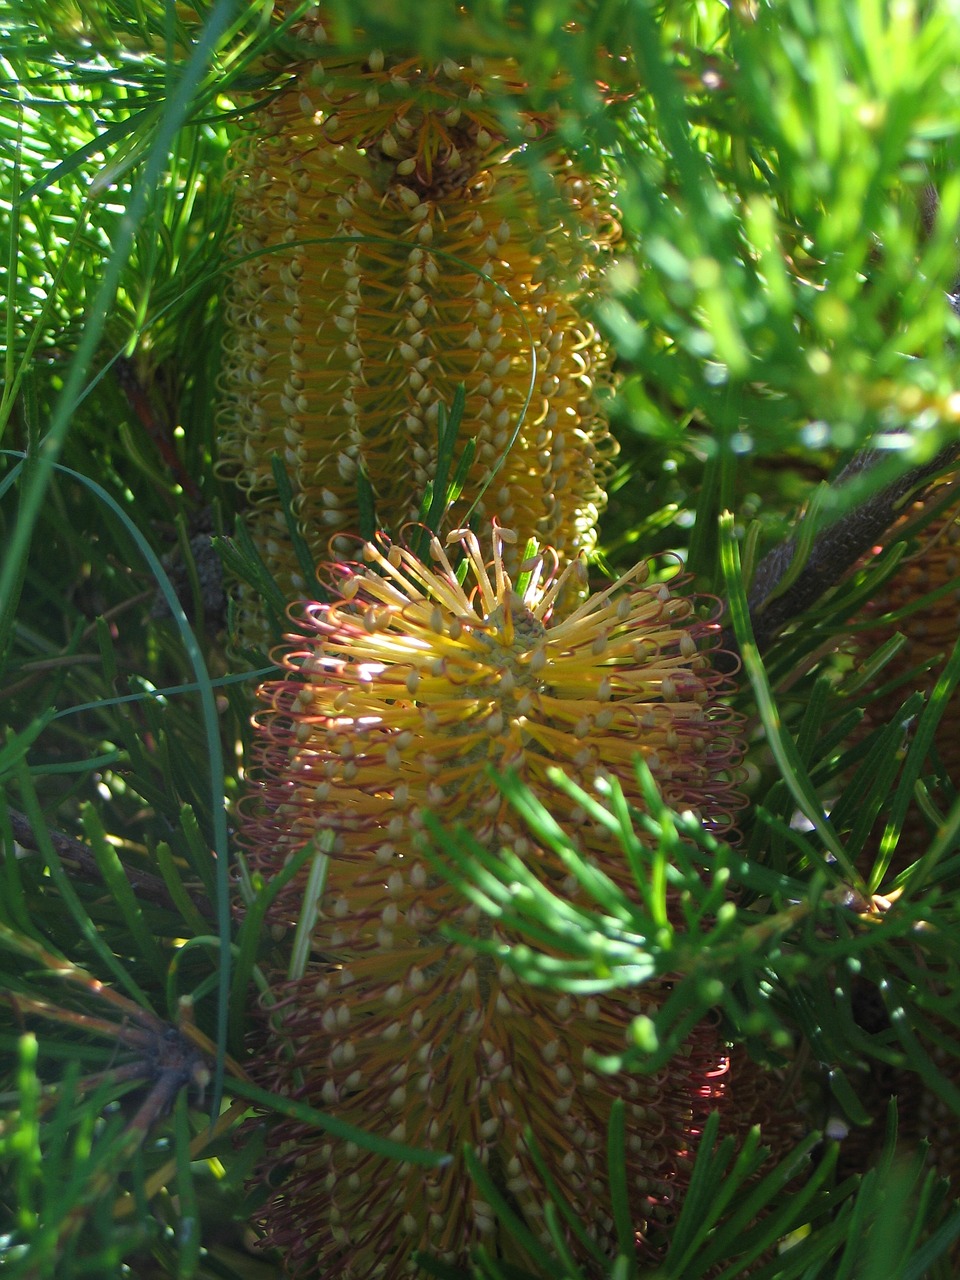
<point>391,244</point>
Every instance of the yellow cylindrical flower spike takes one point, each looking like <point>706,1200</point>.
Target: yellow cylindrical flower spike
<point>397,698</point>
<point>391,247</point>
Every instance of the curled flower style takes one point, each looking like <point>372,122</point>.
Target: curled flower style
<point>390,246</point>
<point>398,696</point>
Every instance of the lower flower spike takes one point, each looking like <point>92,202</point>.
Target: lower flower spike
<point>397,696</point>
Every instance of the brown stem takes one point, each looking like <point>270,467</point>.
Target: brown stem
<point>78,858</point>
<point>835,549</point>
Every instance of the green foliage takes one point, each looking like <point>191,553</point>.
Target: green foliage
<point>781,298</point>
<point>843,1230</point>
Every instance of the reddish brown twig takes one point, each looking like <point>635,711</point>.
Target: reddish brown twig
<point>76,857</point>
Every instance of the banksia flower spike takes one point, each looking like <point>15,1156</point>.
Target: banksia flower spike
<point>397,698</point>
<point>391,245</point>
<point>925,595</point>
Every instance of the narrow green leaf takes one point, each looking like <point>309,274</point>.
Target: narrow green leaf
<point>133,127</point>
<point>934,1248</point>
<point>87,929</point>
<point>111,868</point>
<point>13,280</point>
<point>241,557</point>
<point>871,787</point>
<point>846,1095</point>
<point>168,691</point>
<point>367,523</point>
<point>302,946</point>
<point>16,745</point>
<point>198,850</point>
<point>505,1215</point>
<point>14,910</point>
<point>571,1213</point>
<point>250,938</point>
<point>781,744</point>
<point>305,559</point>
<point>917,753</point>
<point>338,1128</point>
<point>811,725</point>
<point>856,1227</point>
<point>762,1216</point>
<point>917,1056</point>
<point>165,864</point>
<point>188,1236</point>
<point>28,1169</point>
<point>563,1262</point>
<point>459,480</point>
<point>709,1169</point>
<point>619,1192</point>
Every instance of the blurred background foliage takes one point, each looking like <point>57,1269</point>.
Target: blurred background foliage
<point>780,300</point>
